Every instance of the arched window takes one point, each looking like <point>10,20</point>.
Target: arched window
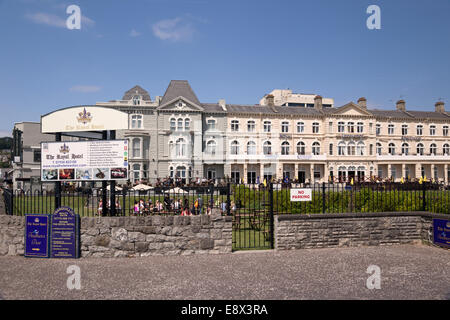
<point>301,150</point>
<point>432,130</point>
<point>251,125</point>
<point>137,100</point>
<point>234,147</point>
<point>446,149</point>
<point>180,124</point>
<point>180,147</point>
<point>211,147</point>
<point>341,148</point>
<point>419,129</point>
<point>267,148</point>
<point>433,149</point>
<point>267,126</point>
<point>173,125</point>
<point>316,148</point>
<point>420,149</point>
<point>187,124</point>
<point>351,148</point>
<point>391,149</point>
<point>341,126</point>
<point>285,148</point>
<point>391,129</point>
<point>350,127</point>
<point>379,148</point>
<point>251,148</point>
<point>405,149</point>
<point>360,127</point>
<point>404,129</point>
<point>360,148</point>
<point>300,127</point>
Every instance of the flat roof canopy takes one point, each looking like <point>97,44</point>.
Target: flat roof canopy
<point>84,118</point>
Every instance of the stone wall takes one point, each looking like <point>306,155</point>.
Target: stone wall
<point>135,236</point>
<point>346,230</point>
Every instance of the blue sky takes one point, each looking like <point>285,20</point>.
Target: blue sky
<point>237,50</point>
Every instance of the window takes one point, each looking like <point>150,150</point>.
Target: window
<point>404,129</point>
<point>285,148</point>
<point>137,100</point>
<point>180,147</point>
<point>405,149</point>
<point>211,124</point>
<point>379,148</point>
<point>267,148</point>
<point>284,126</point>
<point>378,129</point>
<point>341,148</point>
<point>316,148</point>
<point>330,149</point>
<point>180,124</point>
<point>36,155</point>
<point>391,128</point>
<point>420,149</point>
<point>371,149</point>
<point>446,149</point>
<point>172,124</point>
<point>419,130</point>
<point>136,121</point>
<point>315,127</point>
<point>445,131</point>
<point>351,148</point>
<point>360,148</point>
<point>251,126</point>
<point>432,130</point>
<point>136,144</point>
<point>171,172</point>
<point>300,127</point>
<point>211,147</point>
<point>235,147</point>
<point>341,127</point>
<point>136,172</point>
<point>350,127</point>
<point>267,126</point>
<point>301,150</point>
<point>407,172</point>
<point>433,149</point>
<point>360,127</point>
<point>371,128</point>
<point>187,124</point>
<point>330,127</point>
<point>251,147</point>
<point>393,172</point>
<point>234,125</point>
<point>391,149</point>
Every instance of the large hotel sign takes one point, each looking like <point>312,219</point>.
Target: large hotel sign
<point>87,118</point>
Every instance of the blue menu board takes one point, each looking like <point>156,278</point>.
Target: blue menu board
<point>65,234</point>
<point>441,232</point>
<point>36,235</point>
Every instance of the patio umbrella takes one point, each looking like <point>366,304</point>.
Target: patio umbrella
<point>116,188</point>
<point>176,190</point>
<point>142,187</point>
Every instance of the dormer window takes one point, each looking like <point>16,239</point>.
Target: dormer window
<point>136,100</point>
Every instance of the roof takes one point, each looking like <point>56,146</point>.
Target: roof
<point>136,90</point>
<point>179,88</point>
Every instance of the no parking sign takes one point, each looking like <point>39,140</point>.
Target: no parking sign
<point>301,194</point>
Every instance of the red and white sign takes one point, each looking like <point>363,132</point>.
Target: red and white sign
<point>301,194</point>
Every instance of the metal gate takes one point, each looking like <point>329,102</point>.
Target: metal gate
<point>252,210</point>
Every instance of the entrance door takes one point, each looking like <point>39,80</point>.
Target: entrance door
<point>351,175</point>
<point>251,177</point>
<point>235,177</point>
<point>301,176</point>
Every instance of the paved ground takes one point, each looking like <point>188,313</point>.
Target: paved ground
<point>407,272</point>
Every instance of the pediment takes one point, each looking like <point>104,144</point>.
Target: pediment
<point>351,109</point>
<point>180,104</point>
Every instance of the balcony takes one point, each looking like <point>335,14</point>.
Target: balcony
<point>414,157</point>
<point>277,157</point>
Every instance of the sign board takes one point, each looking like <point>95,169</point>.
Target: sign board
<point>84,160</point>
<point>441,232</point>
<point>65,234</point>
<point>37,235</point>
<point>301,195</point>
<point>84,118</point>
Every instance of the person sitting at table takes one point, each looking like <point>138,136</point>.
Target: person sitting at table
<point>118,207</point>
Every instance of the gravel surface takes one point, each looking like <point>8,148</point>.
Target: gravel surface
<point>407,272</point>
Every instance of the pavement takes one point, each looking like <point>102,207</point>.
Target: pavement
<point>406,272</point>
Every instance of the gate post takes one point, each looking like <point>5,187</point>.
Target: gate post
<point>271,214</point>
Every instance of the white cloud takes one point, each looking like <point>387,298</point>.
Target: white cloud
<point>134,33</point>
<point>85,89</point>
<point>173,29</point>
<point>56,21</point>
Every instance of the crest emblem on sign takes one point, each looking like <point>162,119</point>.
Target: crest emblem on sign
<point>64,149</point>
<point>84,117</point>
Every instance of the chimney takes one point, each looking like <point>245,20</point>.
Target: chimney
<point>223,104</point>
<point>362,102</point>
<point>318,102</point>
<point>270,100</point>
<point>439,107</point>
<point>401,105</point>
